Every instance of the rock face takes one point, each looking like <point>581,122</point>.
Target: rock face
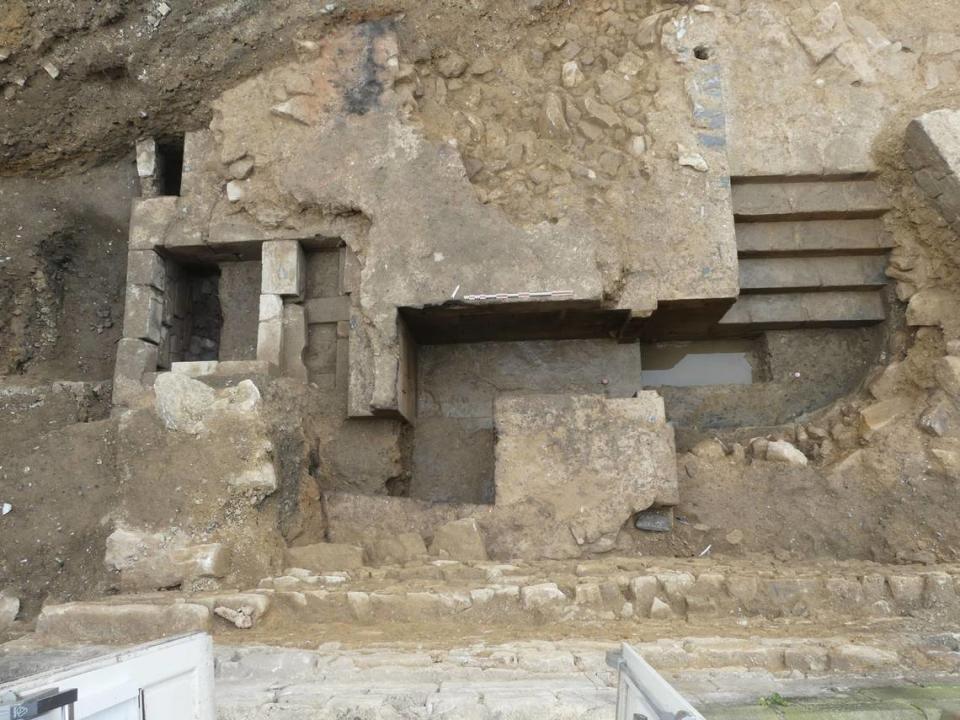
<point>459,540</point>
<point>585,462</point>
<point>324,557</point>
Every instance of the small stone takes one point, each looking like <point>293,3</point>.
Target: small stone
<point>481,66</point>
<point>9,607</point>
<point>5,53</point>
<point>163,9</point>
<point>542,595</point>
<point>654,520</point>
<point>936,418</point>
<point>553,123</point>
<point>630,64</point>
<point>235,191</point>
<point>241,618</point>
<point>709,449</point>
<point>296,108</point>
<point>241,169</point>
<point>637,145</point>
<point>879,415</point>
<point>735,537</point>
<point>571,75</point>
<point>949,461</point>
<point>947,372</point>
<point>784,452</point>
<point>614,87</point>
<point>603,114</point>
<point>659,610</point>
<point>691,159</point>
<point>51,69</point>
<point>453,65</point>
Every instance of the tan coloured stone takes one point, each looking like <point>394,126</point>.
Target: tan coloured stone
<point>459,540</point>
<point>947,371</point>
<point>120,623</point>
<point>284,268</point>
<point>324,557</point>
<point>398,549</point>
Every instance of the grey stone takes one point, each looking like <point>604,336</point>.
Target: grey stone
<point>9,608</point>
<point>135,358</point>
<point>145,267</point>
<point>654,520</point>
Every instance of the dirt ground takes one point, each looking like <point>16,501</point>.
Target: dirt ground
<point>124,71</point>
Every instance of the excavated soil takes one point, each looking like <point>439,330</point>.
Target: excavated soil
<point>125,72</point>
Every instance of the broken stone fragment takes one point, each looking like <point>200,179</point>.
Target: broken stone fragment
<point>9,607</point>
<point>659,610</point>
<point>947,373</point>
<point>821,35</point>
<point>571,75</point>
<point>5,53</point>
<point>949,462</point>
<point>459,540</point>
<point>553,123</point>
<point>630,64</point>
<point>936,419</point>
<point>297,108</point>
<point>241,169</point>
<point>182,402</point>
<point>481,66</point>
<point>452,65</point>
<point>709,448</point>
<point>690,159</point>
<point>544,595</point>
<point>614,87</point>
<point>241,617</point>
<point>784,452</point>
<point>324,557</point>
<point>604,114</point>
<point>52,70</point>
<point>235,191</point>
<point>879,415</point>
<point>929,307</point>
<point>637,145</point>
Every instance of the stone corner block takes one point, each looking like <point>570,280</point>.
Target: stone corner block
<point>143,313</point>
<point>284,268</point>
<point>150,218</point>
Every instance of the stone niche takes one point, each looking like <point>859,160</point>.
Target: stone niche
<point>590,462</point>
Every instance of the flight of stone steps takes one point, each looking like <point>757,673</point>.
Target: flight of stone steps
<point>812,252</point>
<point>627,593</point>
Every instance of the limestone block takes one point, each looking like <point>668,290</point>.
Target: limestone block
<point>862,658</point>
<point>134,359</point>
<point>590,461</point>
<point>939,591</point>
<point>544,595</point>
<point>182,402</point>
<point>930,307</point>
<point>879,415</point>
<point>271,307</point>
<point>146,267</point>
<point>659,610</point>
<point>323,557</point>
<point>588,594</point>
<point>146,158</point>
<point>173,567</point>
<point>744,589</point>
<point>643,590</point>
<point>397,550</point>
<point>149,221</point>
<point>120,623</point>
<point>9,607</point>
<point>284,268</point>
<point>125,547</point>
<point>907,590</point>
<point>270,341</point>
<point>294,342</point>
<point>143,313</point>
<point>459,540</point>
<point>784,452</point>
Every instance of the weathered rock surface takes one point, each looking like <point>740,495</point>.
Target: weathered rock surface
<point>120,623</point>
<point>784,452</point>
<point>9,607</point>
<point>155,561</point>
<point>397,550</point>
<point>459,540</point>
<point>585,462</point>
<point>322,557</point>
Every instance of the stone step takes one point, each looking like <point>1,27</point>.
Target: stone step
<point>814,237</point>
<point>834,308</point>
<point>819,199</point>
<point>811,274</point>
<point>464,597</point>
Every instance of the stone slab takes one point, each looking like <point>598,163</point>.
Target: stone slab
<point>120,623</point>
<point>832,308</point>
<point>813,237</point>
<point>284,268</point>
<point>149,221</point>
<point>145,267</point>
<point>328,309</point>
<point>589,462</point>
<point>812,273</point>
<point>143,313</point>
<point>809,199</point>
